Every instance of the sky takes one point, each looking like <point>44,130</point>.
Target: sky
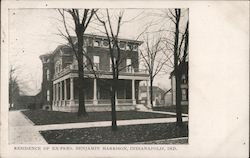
<point>33,32</point>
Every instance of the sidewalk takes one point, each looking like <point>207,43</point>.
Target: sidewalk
<point>22,130</point>
<point>163,112</point>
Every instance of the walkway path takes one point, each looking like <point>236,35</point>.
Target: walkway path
<point>22,130</point>
<point>163,112</point>
<point>105,123</point>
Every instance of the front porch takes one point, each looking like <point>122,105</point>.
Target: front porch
<point>97,94</point>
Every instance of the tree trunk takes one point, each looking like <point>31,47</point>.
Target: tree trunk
<point>177,70</point>
<point>81,108</point>
<point>178,96</point>
<point>113,104</point>
<point>151,91</point>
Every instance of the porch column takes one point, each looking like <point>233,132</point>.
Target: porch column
<point>95,93</point>
<point>61,93</point>
<point>57,98</point>
<point>65,92</point>
<point>57,94</point>
<point>116,97</point>
<point>71,88</point>
<point>133,92</point>
<point>53,93</point>
<point>148,100</point>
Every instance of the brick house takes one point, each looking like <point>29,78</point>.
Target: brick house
<point>184,85</point>
<point>60,76</point>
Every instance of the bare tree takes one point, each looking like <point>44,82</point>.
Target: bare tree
<point>115,55</point>
<point>152,57</point>
<point>14,89</point>
<point>81,21</point>
<point>180,54</point>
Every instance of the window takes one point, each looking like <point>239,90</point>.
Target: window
<point>110,63</point>
<point>84,62</point>
<point>135,48</point>
<point>105,43</point>
<point>48,97</point>
<point>96,62</point>
<point>122,45</point>
<point>183,79</point>
<point>47,74</point>
<point>58,66</point>
<point>129,47</point>
<point>184,94</point>
<point>97,43</point>
<point>129,66</point>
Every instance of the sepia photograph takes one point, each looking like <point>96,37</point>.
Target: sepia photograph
<point>98,76</point>
<point>124,79</point>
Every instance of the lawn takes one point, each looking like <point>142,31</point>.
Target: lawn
<point>43,117</point>
<point>171,109</point>
<point>129,134</point>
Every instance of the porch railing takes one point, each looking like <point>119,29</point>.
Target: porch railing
<point>124,101</point>
<point>90,102</point>
<point>102,70</point>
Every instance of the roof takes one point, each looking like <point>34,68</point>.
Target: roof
<point>184,69</point>
<point>155,89</point>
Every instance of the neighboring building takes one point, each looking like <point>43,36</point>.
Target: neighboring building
<point>158,95</point>
<point>60,76</point>
<point>27,102</point>
<point>184,85</point>
<point>168,98</point>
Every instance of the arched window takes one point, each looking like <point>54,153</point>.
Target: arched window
<point>105,43</point>
<point>97,43</point>
<point>58,66</point>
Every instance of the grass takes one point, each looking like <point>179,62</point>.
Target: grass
<point>130,134</point>
<point>171,109</point>
<point>43,117</point>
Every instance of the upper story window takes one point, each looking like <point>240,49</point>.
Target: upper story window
<point>84,62</point>
<point>135,48</point>
<point>110,63</point>
<point>47,74</point>
<point>96,62</point>
<point>97,43</point>
<point>132,47</point>
<point>184,79</point>
<point>58,66</point>
<point>184,94</point>
<point>128,65</point>
<point>122,45</point>
<point>90,41</point>
<point>105,43</point>
<point>129,47</point>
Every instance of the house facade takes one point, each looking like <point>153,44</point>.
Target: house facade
<point>184,85</point>
<point>60,76</point>
<point>158,95</point>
